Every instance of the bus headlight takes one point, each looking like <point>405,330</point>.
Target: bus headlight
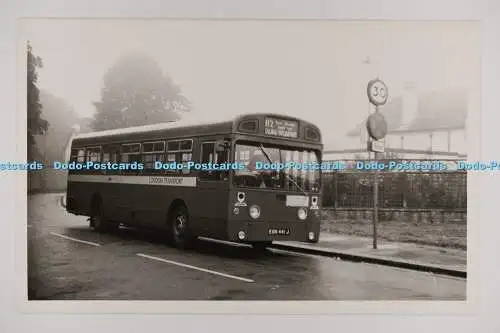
<point>311,236</point>
<point>254,211</point>
<point>302,213</point>
<point>241,235</point>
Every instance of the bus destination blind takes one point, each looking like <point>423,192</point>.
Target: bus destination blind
<point>281,128</point>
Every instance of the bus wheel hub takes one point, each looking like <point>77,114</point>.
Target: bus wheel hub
<point>180,224</point>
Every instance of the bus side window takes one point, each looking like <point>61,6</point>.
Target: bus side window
<point>105,159</point>
<point>208,155</point>
<point>81,155</point>
<point>111,154</point>
<point>180,152</point>
<point>220,158</point>
<point>114,156</point>
<point>74,155</point>
<point>93,154</point>
<point>131,153</point>
<point>77,156</point>
<point>152,152</point>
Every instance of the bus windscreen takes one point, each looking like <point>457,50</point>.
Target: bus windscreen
<point>276,167</point>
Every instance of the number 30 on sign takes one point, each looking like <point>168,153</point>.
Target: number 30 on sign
<point>377,92</point>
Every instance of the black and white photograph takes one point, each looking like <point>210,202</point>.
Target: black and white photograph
<point>249,160</point>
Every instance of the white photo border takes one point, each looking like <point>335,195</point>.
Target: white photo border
<point>254,307</point>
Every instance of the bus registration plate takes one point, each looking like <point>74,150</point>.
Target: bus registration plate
<point>278,232</point>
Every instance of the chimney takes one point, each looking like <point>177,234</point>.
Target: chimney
<point>410,103</point>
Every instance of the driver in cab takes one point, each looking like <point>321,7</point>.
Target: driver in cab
<point>257,177</point>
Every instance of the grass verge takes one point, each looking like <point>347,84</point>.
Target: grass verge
<point>448,235</point>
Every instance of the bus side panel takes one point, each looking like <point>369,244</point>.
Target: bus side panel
<point>74,203</point>
<point>78,197</point>
<point>209,216</point>
<point>80,194</point>
<point>153,203</point>
<point>207,208</point>
<point>120,200</point>
<point>148,206</point>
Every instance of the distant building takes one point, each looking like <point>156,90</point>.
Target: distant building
<point>420,124</point>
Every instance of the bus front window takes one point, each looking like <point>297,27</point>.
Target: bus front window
<point>262,167</point>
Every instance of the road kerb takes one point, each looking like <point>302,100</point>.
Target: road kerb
<point>371,259</point>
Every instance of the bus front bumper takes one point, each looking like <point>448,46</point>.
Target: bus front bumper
<point>306,231</point>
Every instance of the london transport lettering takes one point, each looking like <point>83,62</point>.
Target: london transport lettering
<point>181,181</point>
<point>164,180</point>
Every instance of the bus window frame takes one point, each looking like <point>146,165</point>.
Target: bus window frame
<point>77,160</point>
<point>110,149</point>
<point>75,157</point>
<point>175,152</point>
<point>213,141</point>
<point>92,170</point>
<point>90,148</point>
<point>130,172</point>
<point>162,153</point>
<point>179,150</point>
<point>154,151</point>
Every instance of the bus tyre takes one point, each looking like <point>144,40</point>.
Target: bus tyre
<point>98,220</point>
<point>180,234</point>
<point>261,246</point>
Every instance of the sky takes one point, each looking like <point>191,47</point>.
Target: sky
<point>314,70</point>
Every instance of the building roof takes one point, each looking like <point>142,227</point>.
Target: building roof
<point>435,111</point>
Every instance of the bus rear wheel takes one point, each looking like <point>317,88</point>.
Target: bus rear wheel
<point>98,219</point>
<point>180,233</point>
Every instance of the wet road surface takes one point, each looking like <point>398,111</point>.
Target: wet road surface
<point>69,261</point>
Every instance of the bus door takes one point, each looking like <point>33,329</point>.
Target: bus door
<point>213,187</point>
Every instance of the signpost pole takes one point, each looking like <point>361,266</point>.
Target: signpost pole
<point>377,129</point>
<point>375,197</point>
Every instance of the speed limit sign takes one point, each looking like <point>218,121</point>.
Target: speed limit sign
<point>377,92</point>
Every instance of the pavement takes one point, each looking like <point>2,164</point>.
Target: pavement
<point>69,261</point>
<point>407,255</point>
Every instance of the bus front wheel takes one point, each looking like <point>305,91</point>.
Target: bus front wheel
<point>179,228</point>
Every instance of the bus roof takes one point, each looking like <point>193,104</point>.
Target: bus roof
<point>196,123</point>
<point>182,123</point>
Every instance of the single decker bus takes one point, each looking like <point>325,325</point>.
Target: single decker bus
<point>240,180</point>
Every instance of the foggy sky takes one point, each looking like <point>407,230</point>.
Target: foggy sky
<point>310,69</point>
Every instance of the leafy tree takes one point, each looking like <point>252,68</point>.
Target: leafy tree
<point>36,124</point>
<point>53,145</point>
<point>136,92</point>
